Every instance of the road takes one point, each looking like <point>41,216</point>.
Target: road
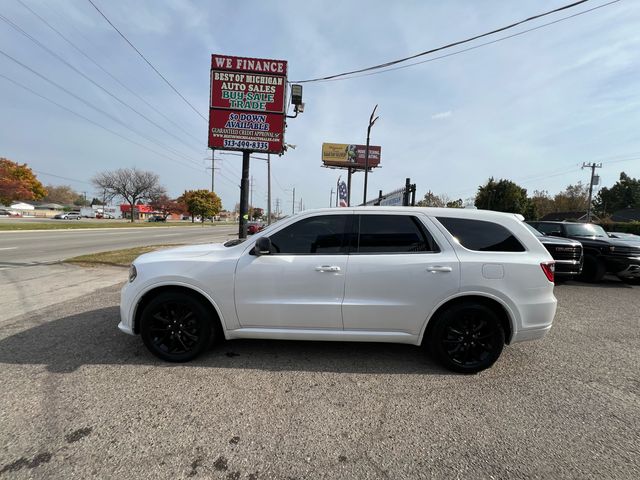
<point>20,248</point>
<point>82,400</point>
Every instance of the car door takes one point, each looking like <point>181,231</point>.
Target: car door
<point>402,268</point>
<point>300,284</point>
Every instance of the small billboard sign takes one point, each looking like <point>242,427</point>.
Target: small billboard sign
<point>349,155</point>
<point>247,104</point>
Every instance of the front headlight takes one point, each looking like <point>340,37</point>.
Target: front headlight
<point>133,273</point>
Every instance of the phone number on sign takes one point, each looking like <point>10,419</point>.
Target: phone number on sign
<point>246,144</point>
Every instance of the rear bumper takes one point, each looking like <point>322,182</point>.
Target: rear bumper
<point>536,320</point>
<point>531,334</point>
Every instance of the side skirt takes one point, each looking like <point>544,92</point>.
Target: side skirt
<point>322,335</point>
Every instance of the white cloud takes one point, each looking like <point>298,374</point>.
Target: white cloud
<point>441,115</point>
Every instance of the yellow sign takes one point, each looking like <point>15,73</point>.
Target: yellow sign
<point>343,154</point>
<point>338,152</point>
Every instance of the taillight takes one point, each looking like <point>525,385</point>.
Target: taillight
<point>549,269</point>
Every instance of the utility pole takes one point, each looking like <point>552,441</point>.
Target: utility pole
<point>293,202</point>
<point>213,169</point>
<point>244,197</point>
<point>268,189</point>
<point>366,153</point>
<point>593,167</point>
<point>331,198</point>
<point>277,208</point>
<point>300,209</point>
<point>251,185</point>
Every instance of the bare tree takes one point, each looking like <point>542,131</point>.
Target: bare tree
<point>131,184</point>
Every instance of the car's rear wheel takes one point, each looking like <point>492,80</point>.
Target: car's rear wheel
<point>176,327</point>
<point>467,338</point>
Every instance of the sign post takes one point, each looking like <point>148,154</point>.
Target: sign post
<point>247,112</point>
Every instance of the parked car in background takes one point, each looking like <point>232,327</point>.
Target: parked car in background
<point>602,254</point>
<point>627,237</point>
<point>157,218</point>
<point>254,227</point>
<point>566,252</point>
<point>9,213</point>
<point>462,283</point>
<point>68,216</point>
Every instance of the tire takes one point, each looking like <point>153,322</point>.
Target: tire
<point>593,269</point>
<point>176,327</point>
<point>467,338</point>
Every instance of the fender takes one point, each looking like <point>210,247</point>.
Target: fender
<point>491,296</point>
<point>189,286</point>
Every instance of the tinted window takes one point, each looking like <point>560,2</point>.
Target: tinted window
<point>393,234</point>
<point>550,228</point>
<point>315,235</point>
<point>481,236</point>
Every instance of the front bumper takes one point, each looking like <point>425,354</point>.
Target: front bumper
<point>126,309</point>
<point>632,271</point>
<point>568,267</point>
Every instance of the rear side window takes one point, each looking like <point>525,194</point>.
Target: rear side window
<point>481,236</point>
<point>322,235</point>
<point>393,234</point>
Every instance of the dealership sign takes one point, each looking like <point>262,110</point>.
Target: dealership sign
<point>349,155</point>
<point>247,108</point>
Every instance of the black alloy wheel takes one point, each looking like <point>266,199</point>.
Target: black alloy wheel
<point>467,338</point>
<point>176,327</point>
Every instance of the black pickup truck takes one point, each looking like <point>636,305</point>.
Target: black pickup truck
<point>602,254</point>
<point>566,252</point>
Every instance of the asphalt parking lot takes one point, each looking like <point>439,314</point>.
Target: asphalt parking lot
<point>81,400</point>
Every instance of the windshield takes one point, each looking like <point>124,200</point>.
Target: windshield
<point>585,230</point>
<point>533,230</point>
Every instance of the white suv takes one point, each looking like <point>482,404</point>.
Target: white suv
<point>461,282</point>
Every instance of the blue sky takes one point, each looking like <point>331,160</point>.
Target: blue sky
<point>531,108</point>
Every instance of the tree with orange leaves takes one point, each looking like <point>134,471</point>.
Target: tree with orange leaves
<point>18,182</point>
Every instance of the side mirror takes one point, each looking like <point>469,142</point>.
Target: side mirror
<point>262,247</point>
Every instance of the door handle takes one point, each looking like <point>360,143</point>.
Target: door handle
<point>438,268</point>
<point>328,268</point>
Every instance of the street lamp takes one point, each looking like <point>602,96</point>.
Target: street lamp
<point>366,152</point>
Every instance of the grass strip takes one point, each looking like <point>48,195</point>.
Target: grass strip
<point>68,225</point>
<point>115,258</point>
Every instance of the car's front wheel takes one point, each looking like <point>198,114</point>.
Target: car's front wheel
<point>467,338</point>
<point>176,327</point>
<point>593,269</point>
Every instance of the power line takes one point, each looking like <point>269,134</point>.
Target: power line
<point>86,77</point>
<point>89,104</point>
<point>444,47</point>
<point>40,172</point>
<point>113,132</point>
<point>566,170</point>
<point>458,52</point>
<point>148,62</point>
<point>92,60</point>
